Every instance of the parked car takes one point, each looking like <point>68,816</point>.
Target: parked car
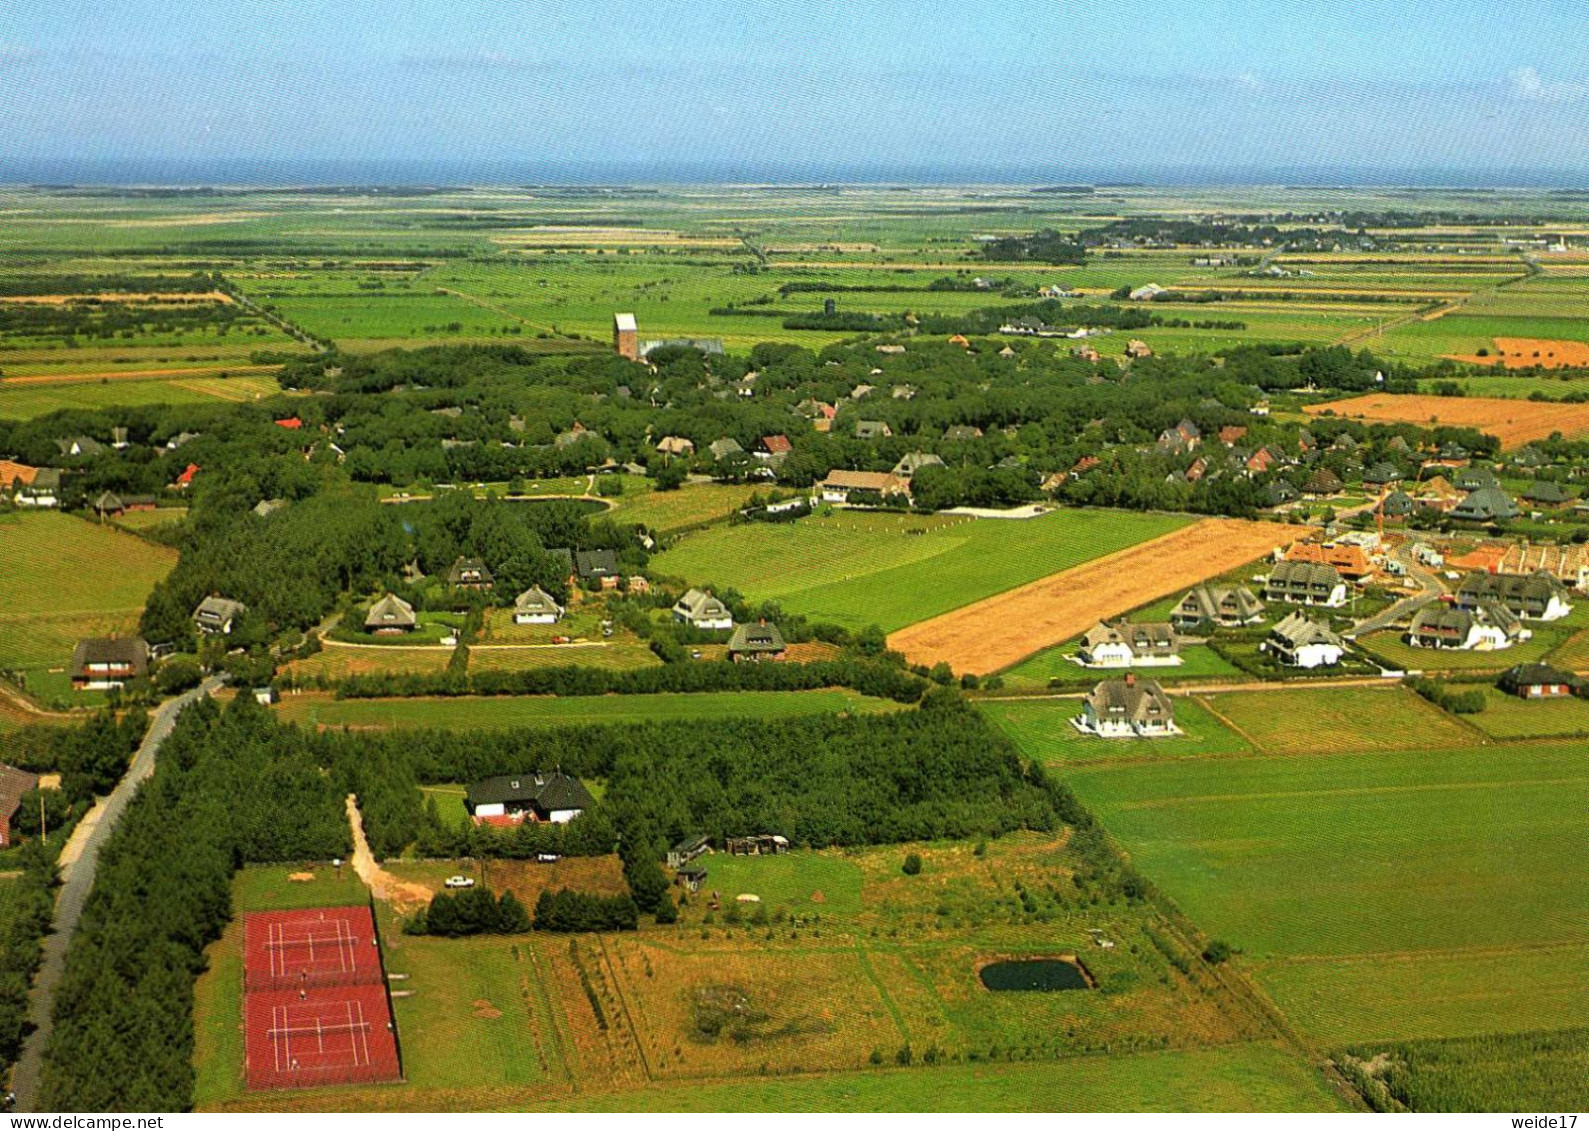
<point>547,858</point>
<point>459,882</point>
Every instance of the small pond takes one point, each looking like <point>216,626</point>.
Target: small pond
<point>1035,974</point>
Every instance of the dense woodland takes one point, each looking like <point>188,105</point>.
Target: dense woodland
<point>123,1038</point>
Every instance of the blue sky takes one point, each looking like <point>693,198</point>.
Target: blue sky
<point>1502,84</point>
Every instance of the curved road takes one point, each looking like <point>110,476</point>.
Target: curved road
<point>78,861</point>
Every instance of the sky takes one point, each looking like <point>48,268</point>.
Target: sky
<point>1497,85</point>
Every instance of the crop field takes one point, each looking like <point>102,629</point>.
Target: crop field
<point>502,712</point>
<point>857,569</point>
<point>1513,1072</point>
<point>1066,603</point>
<point>1308,720</point>
<point>1372,892</point>
<point>1512,422</point>
<point>336,662</point>
<point>66,578</point>
<point>662,511</point>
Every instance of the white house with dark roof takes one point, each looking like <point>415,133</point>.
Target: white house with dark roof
<point>1299,641</point>
<point>536,606</point>
<point>1127,708</point>
<point>217,615</point>
<point>1125,645</point>
<point>553,797</point>
<point>1305,583</point>
<point>700,609</point>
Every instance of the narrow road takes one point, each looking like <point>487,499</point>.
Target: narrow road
<point>78,861</point>
<point>1429,590</point>
<point>403,896</point>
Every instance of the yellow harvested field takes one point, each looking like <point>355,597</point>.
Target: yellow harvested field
<point>1512,421</point>
<point>990,635</point>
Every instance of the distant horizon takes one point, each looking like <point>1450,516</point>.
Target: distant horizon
<point>312,172</point>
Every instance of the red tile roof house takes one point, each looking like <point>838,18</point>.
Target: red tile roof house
<point>292,423</point>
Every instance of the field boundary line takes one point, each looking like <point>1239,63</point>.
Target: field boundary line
<point>1206,703</point>
<point>1429,954</point>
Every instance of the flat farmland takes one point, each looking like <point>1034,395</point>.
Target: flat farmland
<point>505,711</point>
<point>1388,869</point>
<point>1507,716</point>
<point>1244,1077</point>
<point>857,568</point>
<point>1512,422</point>
<point>24,400</point>
<point>338,661</point>
<point>1310,720</point>
<point>661,511</point>
<point>1064,604</point>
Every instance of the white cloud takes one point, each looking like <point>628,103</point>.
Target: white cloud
<point>1528,85</point>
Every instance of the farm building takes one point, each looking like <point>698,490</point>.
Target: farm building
<point>676,446</point>
<point>389,616</point>
<point>1538,681</point>
<point>553,797</point>
<point>1539,596</point>
<point>700,609</point>
<point>1127,708</point>
<point>470,573</point>
<point>103,662</point>
<point>1547,495</point>
<point>14,784</point>
<point>80,446</point>
<point>1487,504</point>
<point>1125,645</point>
<point>759,844</point>
<point>872,430</point>
<point>1225,606</point>
<point>725,447</point>
<point>1383,474</point>
<point>688,849</point>
<point>109,504</point>
<point>1474,479</point>
<point>216,615</point>
<point>691,877</point>
<point>1305,583</point>
<point>1298,641</point>
<point>840,485</point>
<point>536,606</point>
<point>1322,483</point>
<point>754,642</point>
<point>1486,627</point>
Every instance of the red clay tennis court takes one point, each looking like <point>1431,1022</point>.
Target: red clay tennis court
<point>315,1010</point>
<point>310,1038</point>
<point>320,946</point>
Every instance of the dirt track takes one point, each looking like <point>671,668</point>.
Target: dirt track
<point>993,634</point>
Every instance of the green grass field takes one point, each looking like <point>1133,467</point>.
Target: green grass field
<point>67,578</point>
<point>501,712</point>
<point>24,402</point>
<point>891,570</point>
<point>790,881</point>
<point>1506,716</point>
<point>1326,720</point>
<point>1547,637</point>
<point>1042,728</point>
<point>1248,1077</point>
<point>1411,996</point>
<point>1405,872</point>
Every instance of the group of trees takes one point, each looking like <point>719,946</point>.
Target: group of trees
<point>876,679</point>
<point>575,911</point>
<point>30,906</point>
<point>474,911</point>
<point>90,758</point>
<point>123,1035</point>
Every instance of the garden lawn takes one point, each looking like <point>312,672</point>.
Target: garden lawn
<point>799,882</point>
<point>892,570</point>
<point>1199,662</point>
<point>1043,730</point>
<point>503,711</point>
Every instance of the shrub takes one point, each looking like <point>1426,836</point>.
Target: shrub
<point>912,866</point>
